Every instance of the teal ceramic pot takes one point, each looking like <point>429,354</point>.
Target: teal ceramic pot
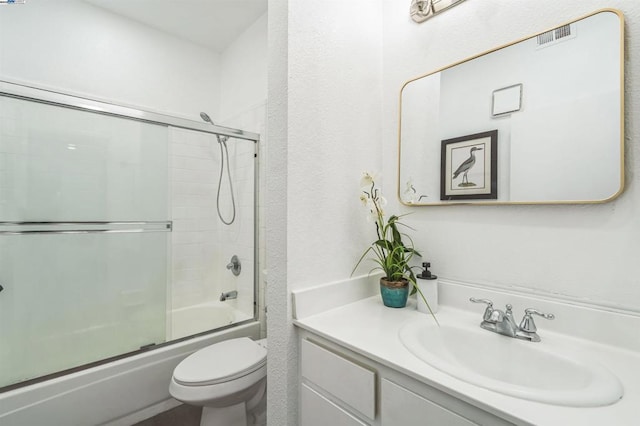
<point>394,294</point>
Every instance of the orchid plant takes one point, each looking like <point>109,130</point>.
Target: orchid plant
<point>389,251</point>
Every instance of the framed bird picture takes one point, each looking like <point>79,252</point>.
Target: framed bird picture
<point>469,167</point>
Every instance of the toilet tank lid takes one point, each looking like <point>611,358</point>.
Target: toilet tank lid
<point>220,362</point>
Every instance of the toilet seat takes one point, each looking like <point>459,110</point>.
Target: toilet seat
<point>220,363</point>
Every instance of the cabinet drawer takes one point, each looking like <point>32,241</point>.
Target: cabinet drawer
<point>319,411</point>
<point>400,406</point>
<point>345,380</point>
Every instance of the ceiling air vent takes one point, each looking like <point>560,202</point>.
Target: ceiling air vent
<point>562,33</point>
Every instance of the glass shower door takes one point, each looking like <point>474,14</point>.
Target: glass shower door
<point>84,221</point>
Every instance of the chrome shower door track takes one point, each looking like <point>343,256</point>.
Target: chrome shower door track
<point>49,97</point>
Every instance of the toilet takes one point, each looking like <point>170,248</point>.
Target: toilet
<point>228,379</point>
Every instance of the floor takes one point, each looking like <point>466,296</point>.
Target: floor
<point>182,415</point>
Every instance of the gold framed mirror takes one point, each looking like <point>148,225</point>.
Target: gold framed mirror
<point>554,102</point>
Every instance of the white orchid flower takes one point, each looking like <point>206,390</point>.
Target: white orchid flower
<point>367,179</point>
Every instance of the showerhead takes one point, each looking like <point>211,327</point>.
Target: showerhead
<point>206,117</point>
<point>221,139</point>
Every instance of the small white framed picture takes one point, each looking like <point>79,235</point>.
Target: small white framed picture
<point>507,100</point>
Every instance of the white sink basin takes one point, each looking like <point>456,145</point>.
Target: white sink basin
<point>527,370</point>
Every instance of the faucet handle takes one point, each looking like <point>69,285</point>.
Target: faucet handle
<point>488,311</point>
<point>530,311</point>
<point>527,324</point>
<point>488,302</point>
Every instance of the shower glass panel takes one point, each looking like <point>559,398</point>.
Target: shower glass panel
<point>84,215</point>
<point>71,299</point>
<point>60,164</point>
<point>110,240</point>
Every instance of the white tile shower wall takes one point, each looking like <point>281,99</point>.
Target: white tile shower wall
<point>202,245</point>
<point>253,119</point>
<point>192,168</point>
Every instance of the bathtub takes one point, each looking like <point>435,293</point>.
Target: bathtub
<point>205,316</point>
<point>118,393</point>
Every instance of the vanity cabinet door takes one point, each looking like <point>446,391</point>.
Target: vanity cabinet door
<point>400,406</point>
<point>319,411</point>
<point>346,381</point>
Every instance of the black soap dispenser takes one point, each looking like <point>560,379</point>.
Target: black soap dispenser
<point>428,286</point>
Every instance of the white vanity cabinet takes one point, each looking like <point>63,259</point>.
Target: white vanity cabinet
<point>339,387</point>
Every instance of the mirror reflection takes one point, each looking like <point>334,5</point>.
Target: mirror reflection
<point>537,121</point>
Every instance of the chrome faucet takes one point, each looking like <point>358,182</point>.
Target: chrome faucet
<point>503,322</point>
<point>229,295</point>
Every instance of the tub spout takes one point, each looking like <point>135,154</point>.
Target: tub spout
<point>229,295</point>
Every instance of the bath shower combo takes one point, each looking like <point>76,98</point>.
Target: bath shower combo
<point>91,226</point>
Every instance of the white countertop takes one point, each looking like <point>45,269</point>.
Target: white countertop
<point>369,328</point>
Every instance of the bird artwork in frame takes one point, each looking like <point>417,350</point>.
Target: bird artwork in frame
<point>469,167</point>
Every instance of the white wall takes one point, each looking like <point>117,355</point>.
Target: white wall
<point>334,133</point>
<point>324,130</point>
<point>243,77</point>
<point>282,358</point>
<point>82,49</point>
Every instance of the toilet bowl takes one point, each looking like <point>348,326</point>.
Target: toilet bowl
<point>228,379</point>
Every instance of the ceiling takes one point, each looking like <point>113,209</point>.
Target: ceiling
<point>214,24</point>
